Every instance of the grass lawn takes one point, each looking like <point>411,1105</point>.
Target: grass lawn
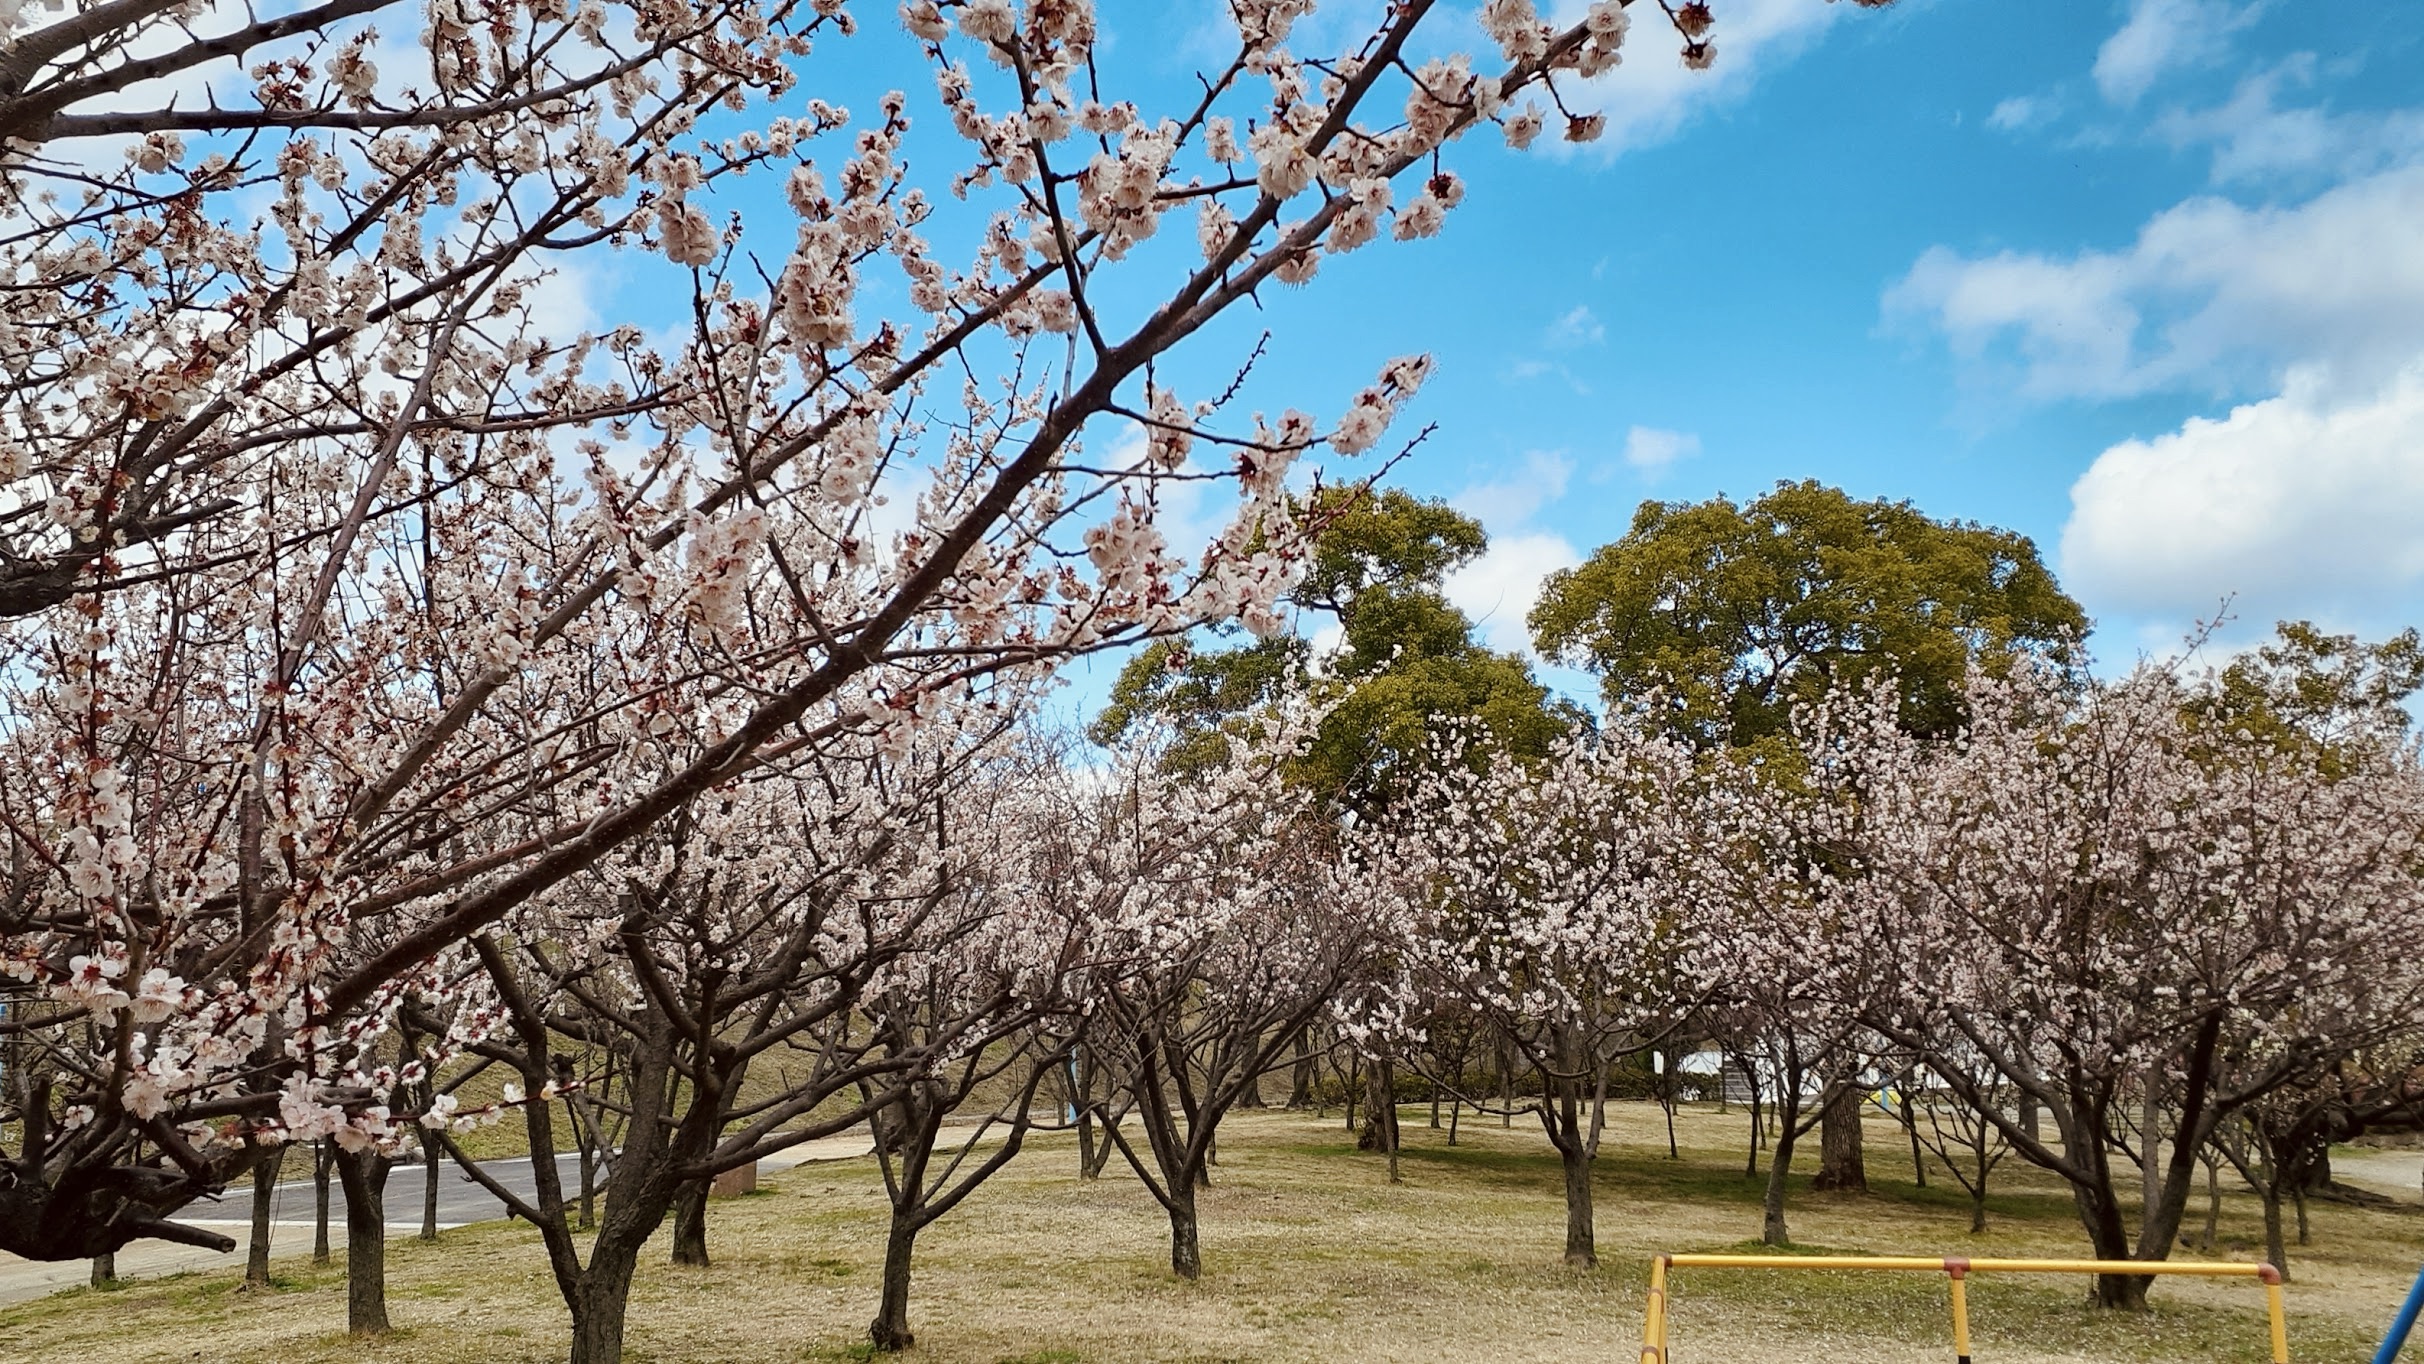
<point>1309,1256</point>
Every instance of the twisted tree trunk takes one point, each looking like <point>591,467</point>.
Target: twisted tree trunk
<point>1842,1163</point>
<point>890,1329</point>
<point>1772,1230</point>
<point>364,1174</point>
<point>690,1224</point>
<point>264,1202</point>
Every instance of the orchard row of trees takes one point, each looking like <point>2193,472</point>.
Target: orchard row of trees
<point>361,599</point>
<point>386,643</point>
<point>2100,920</point>
<point>2085,920</point>
<point>1860,822</point>
<point>409,689</point>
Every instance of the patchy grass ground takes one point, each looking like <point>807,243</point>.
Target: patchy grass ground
<point>1310,1256</point>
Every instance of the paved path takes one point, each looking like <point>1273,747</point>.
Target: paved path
<point>460,1201</point>
<point>2399,1173</point>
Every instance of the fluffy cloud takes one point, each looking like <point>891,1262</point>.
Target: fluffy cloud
<point>1497,590</point>
<point>2210,296</point>
<point>2257,141</point>
<point>1652,95</point>
<point>2022,111</point>
<point>2163,36</point>
<point>2300,505</point>
<point>1509,502</point>
<point>1652,452</point>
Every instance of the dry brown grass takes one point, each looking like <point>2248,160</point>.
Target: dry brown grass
<point>1310,1256</point>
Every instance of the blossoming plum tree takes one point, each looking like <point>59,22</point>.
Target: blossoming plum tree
<point>1561,904</point>
<point>749,964</point>
<point>1230,909</point>
<point>2083,890</point>
<point>362,599</point>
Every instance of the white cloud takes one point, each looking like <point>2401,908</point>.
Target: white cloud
<point>1652,95</point>
<point>2210,296</point>
<point>564,301</point>
<point>2256,141</point>
<point>1510,502</point>
<point>2300,505</point>
<point>2163,36</point>
<point>1578,327</point>
<point>1652,451</point>
<point>2021,111</point>
<point>1497,590</point>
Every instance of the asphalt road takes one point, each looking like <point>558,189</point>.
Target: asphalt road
<point>460,1201</point>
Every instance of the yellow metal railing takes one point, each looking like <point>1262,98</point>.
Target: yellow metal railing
<point>1958,1270</point>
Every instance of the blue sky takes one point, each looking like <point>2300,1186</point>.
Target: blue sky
<point>2142,279</point>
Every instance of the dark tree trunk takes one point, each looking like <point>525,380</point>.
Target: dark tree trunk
<point>1301,1074</point>
<point>2213,1205</point>
<point>1506,1087</point>
<point>884,1125</point>
<point>264,1201</point>
<point>105,1269</point>
<point>1186,1248</point>
<point>430,1149</point>
<point>2122,1292</point>
<point>639,1196</point>
<point>1910,1128</point>
<point>2150,1146</point>
<point>890,1329</point>
<point>1978,1191</point>
<point>2100,1211</point>
<point>1750,1159</point>
<point>1563,1113</point>
<point>602,1299</point>
<point>365,1177</point>
<point>1666,1100</point>
<point>1380,1109</point>
<point>1582,1241</point>
<point>2314,1173</point>
<point>1772,1230</point>
<point>1087,1166</point>
<point>1841,1164</point>
<point>321,1160</point>
<point>2276,1246</point>
<point>690,1224</point>
<point>1104,1148</point>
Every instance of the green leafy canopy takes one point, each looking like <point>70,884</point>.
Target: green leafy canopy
<point>1406,658</point>
<point>1738,612</point>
